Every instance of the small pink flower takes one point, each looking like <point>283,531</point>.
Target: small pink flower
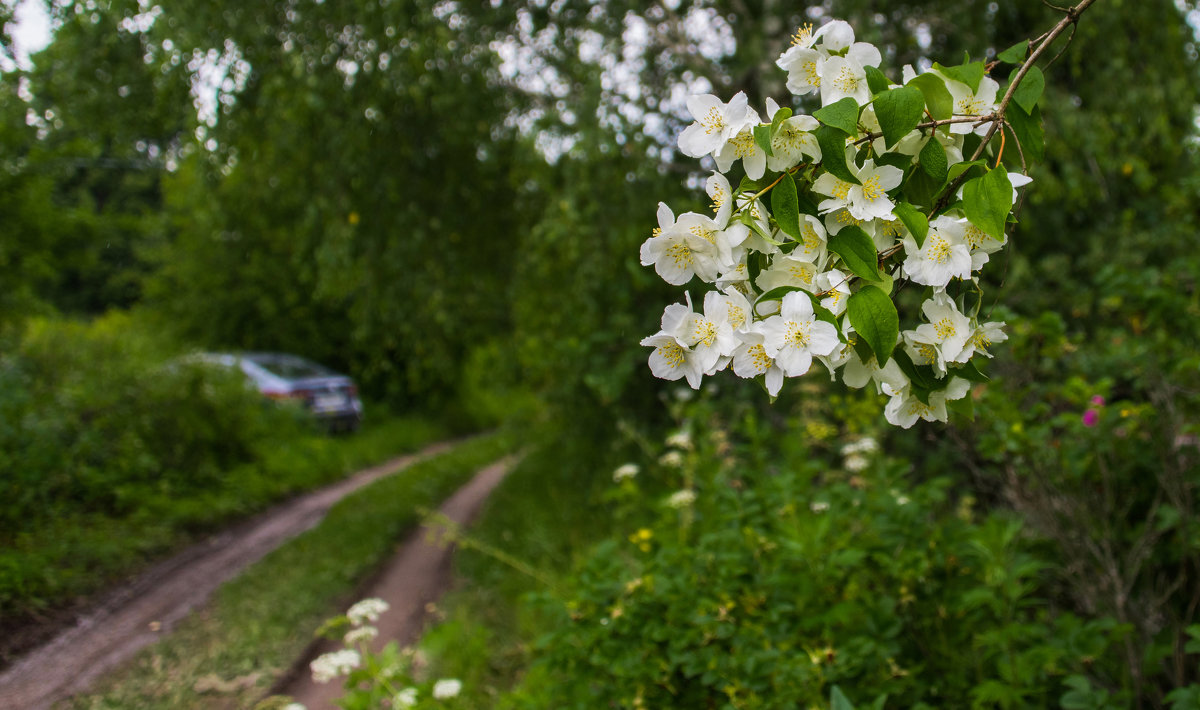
<point>1090,417</point>
<point>1098,401</point>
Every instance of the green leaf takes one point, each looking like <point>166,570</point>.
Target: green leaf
<point>970,371</point>
<point>858,253</point>
<point>919,375</point>
<point>785,207</point>
<point>971,165</point>
<point>964,407</point>
<point>899,111</point>
<point>833,153</point>
<point>777,294</point>
<point>755,263</point>
<point>842,115</point>
<point>783,114</point>
<point>1015,54</point>
<point>762,136</point>
<point>874,317</point>
<point>807,206</point>
<point>1030,89</point>
<point>838,700</point>
<point>914,219</point>
<point>970,73</point>
<point>876,81</point>
<point>937,96</point>
<point>933,159</point>
<point>1026,127</point>
<point>921,189</point>
<point>987,202</point>
<point>884,283</point>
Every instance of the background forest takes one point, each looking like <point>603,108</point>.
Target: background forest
<point>446,201</point>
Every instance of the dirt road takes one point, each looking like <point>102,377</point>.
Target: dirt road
<point>138,614</point>
<point>418,574</point>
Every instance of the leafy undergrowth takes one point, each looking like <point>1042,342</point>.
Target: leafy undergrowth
<point>230,653</point>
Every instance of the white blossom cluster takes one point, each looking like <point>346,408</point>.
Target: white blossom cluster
<point>743,252</point>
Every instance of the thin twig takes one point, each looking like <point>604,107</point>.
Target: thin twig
<point>931,124</point>
<point>1043,42</point>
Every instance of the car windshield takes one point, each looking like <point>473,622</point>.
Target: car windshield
<point>289,367</point>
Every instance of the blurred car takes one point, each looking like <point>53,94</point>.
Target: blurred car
<point>331,397</point>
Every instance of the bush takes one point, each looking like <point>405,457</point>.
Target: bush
<point>95,419</point>
<point>785,578</point>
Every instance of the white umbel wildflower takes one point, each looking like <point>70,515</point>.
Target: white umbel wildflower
<point>682,499</point>
<point>405,698</point>
<point>366,610</point>
<point>680,440</point>
<point>628,470</point>
<point>671,459</point>
<point>360,635</point>
<point>332,665</point>
<point>447,688</point>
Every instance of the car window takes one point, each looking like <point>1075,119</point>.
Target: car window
<point>289,368</point>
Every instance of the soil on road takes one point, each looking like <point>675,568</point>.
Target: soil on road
<point>418,574</point>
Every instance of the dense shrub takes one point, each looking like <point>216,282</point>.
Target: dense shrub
<point>784,579</point>
<point>95,419</point>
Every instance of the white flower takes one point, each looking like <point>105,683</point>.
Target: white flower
<point>360,635</point>
<point>366,610</point>
<point>331,665</point>
<point>855,463</point>
<point>628,470</point>
<point>671,361</point>
<point>716,123</point>
<point>971,103</point>
<point>888,380</point>
<point>985,335</point>
<point>942,257</point>
<point>948,331</point>
<point>838,220</point>
<point>803,66</point>
<point>788,270</point>
<point>866,201</point>
<point>735,305</point>
<point>743,147</point>
<point>680,440</point>
<point>682,499</point>
<point>864,445</point>
<point>835,66</point>
<point>447,688</point>
<point>405,698</point>
<point>818,506</point>
<point>904,409</point>
<point>795,335</point>
<point>751,360</point>
<point>693,245</point>
<point>792,142</point>
<point>835,285</point>
<point>813,241</point>
<point>721,193</point>
<point>846,76</point>
<point>671,459</point>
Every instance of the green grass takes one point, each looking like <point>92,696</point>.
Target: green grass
<point>261,621</point>
<point>544,515</point>
<point>64,557</point>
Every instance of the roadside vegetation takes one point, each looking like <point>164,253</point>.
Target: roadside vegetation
<point>118,451</point>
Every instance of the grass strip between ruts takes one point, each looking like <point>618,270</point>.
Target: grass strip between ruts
<point>228,653</point>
